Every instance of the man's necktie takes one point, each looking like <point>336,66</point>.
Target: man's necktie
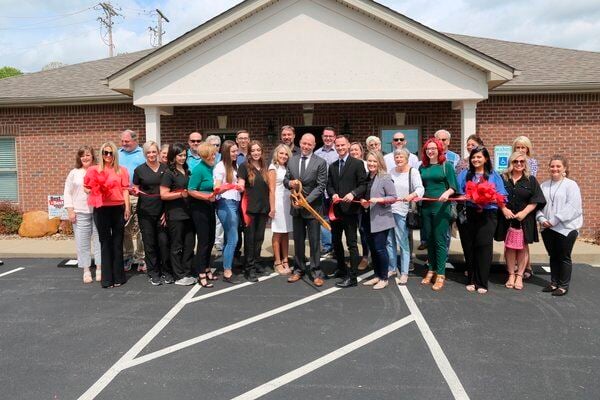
<point>341,165</point>
<point>303,166</point>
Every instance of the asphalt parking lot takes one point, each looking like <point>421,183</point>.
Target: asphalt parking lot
<point>65,340</point>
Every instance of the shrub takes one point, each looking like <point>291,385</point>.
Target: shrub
<point>10,218</point>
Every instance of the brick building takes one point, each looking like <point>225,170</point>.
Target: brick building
<point>352,64</point>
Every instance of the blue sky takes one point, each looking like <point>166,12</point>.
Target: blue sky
<point>35,33</point>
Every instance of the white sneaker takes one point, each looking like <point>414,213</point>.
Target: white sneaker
<point>127,264</point>
<point>187,281</point>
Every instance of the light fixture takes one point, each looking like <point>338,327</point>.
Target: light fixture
<point>222,122</point>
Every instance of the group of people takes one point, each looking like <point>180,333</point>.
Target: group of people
<point>185,197</point>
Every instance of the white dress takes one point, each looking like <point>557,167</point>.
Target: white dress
<point>282,223</point>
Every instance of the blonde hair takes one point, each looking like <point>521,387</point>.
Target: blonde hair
<point>276,151</point>
<point>523,140</point>
<point>206,150</point>
<point>115,157</point>
<point>146,147</point>
<point>372,139</point>
<point>508,172</point>
<point>381,168</point>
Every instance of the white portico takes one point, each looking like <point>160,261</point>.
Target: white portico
<point>308,52</point>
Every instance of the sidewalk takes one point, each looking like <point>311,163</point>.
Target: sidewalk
<point>583,253</point>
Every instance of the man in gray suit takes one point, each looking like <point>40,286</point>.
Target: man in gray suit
<point>311,171</point>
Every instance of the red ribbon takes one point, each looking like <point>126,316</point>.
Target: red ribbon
<point>100,186</point>
<point>483,193</point>
<point>247,218</point>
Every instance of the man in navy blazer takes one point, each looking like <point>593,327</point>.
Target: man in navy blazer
<point>347,180</point>
<point>311,171</point>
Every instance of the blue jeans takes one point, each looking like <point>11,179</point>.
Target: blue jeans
<point>399,237</point>
<point>227,210</point>
<point>326,244</point>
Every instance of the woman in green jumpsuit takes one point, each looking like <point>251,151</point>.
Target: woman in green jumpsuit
<point>440,183</point>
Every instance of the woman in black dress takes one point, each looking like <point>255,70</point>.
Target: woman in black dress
<point>524,198</point>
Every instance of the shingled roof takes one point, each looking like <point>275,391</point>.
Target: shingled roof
<point>543,69</point>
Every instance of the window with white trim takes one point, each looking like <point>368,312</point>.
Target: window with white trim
<point>8,170</point>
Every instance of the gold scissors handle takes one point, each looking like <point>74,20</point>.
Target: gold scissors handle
<point>298,200</point>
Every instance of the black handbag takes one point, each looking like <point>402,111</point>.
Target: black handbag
<point>413,217</point>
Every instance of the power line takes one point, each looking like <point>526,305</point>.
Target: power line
<point>157,31</point>
<point>49,18</point>
<point>46,27</point>
<point>107,22</point>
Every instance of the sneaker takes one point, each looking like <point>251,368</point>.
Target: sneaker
<point>168,279</point>
<point>327,255</point>
<point>187,281</point>
<point>141,266</point>
<point>411,267</point>
<point>155,281</point>
<point>127,264</point>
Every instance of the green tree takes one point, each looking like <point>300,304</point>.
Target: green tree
<point>6,72</point>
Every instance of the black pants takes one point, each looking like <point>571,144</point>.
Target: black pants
<point>154,244</point>
<point>110,222</point>
<point>463,233</point>
<point>348,225</point>
<point>203,214</point>
<point>182,237</point>
<point>254,235</point>
<point>164,246</point>
<point>478,245</point>
<point>302,226</point>
<point>559,249</point>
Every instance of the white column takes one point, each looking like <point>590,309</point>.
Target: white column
<point>152,124</point>
<point>468,121</point>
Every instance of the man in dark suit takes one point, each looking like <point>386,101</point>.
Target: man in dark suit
<point>311,171</point>
<point>347,180</point>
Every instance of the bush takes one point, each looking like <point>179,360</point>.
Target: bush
<point>10,218</point>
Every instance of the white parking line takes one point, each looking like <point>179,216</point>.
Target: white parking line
<point>229,289</point>
<point>229,328</point>
<point>11,271</point>
<point>113,371</point>
<point>545,268</point>
<point>436,350</point>
<point>319,362</point>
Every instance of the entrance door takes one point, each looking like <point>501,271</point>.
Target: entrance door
<point>316,130</point>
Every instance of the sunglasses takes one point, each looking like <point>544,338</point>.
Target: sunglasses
<point>107,153</point>
<point>518,162</point>
<point>399,139</point>
<point>195,141</point>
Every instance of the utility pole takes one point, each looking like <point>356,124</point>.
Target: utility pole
<point>158,31</point>
<point>109,13</point>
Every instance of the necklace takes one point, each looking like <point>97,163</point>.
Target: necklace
<point>556,191</point>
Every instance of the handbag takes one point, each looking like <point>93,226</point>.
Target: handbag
<point>413,217</point>
<point>514,238</point>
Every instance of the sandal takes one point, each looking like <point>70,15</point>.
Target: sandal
<point>204,281</point>
<point>470,288</point>
<point>286,267</point>
<point>482,290</point>
<point>210,276</point>
<point>278,267</point>
<point>98,274</point>
<point>519,282</point>
<point>510,283</point>
<point>528,274</point>
<point>428,278</point>
<point>87,276</point>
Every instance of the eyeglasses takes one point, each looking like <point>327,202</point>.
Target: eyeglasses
<point>518,162</point>
<point>431,149</point>
<point>216,145</point>
<point>195,141</point>
<point>401,139</point>
<point>107,153</point>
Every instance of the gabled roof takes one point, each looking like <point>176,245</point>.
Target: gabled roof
<point>542,68</point>
<point>79,83</point>
<point>122,81</point>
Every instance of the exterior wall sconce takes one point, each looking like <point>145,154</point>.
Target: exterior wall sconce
<point>270,132</point>
<point>222,121</point>
<point>346,130</point>
<point>400,119</point>
<point>308,113</point>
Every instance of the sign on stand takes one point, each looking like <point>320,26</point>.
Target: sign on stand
<point>56,207</point>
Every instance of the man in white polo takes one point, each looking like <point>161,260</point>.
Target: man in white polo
<point>399,142</point>
<point>444,136</point>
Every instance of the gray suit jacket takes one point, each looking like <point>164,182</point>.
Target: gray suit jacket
<point>313,181</point>
<point>381,216</point>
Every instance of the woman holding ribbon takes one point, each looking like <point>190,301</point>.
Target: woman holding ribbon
<point>202,204</point>
<point>173,192</point>
<point>357,151</point>
<point>146,185</point>
<point>108,188</point>
<point>524,198</point>
<point>81,215</point>
<point>252,175</point>
<point>379,221</point>
<point>279,202</point>
<point>560,220</point>
<point>228,203</point>
<point>440,183</point>
<point>485,189</point>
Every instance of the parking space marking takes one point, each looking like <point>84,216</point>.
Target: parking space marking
<point>231,288</point>
<point>436,350</point>
<point>240,324</point>
<point>545,268</point>
<point>322,361</point>
<point>11,271</point>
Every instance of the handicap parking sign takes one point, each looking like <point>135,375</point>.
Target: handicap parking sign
<point>501,156</point>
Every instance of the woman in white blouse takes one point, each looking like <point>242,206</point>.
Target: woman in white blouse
<point>409,186</point>
<point>560,221</point>
<point>80,214</point>
<point>279,201</point>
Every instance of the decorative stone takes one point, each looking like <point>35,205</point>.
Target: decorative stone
<point>36,224</point>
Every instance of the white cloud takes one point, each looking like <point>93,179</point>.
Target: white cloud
<point>574,24</point>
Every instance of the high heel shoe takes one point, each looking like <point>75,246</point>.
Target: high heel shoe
<point>203,281</point>
<point>510,283</point>
<point>439,283</point>
<point>428,278</point>
<point>210,276</point>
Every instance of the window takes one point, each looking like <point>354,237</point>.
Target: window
<point>8,170</point>
<point>411,133</point>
